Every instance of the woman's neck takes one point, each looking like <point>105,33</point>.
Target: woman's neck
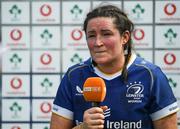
<point>112,67</point>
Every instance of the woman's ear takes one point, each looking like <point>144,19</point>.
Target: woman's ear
<point>125,36</point>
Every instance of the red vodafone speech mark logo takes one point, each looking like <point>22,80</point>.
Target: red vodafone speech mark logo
<point>45,107</point>
<point>76,34</point>
<point>15,127</point>
<point>45,10</point>
<point>169,58</point>
<point>16,83</point>
<point>16,34</point>
<point>170,9</point>
<point>138,34</point>
<point>46,59</point>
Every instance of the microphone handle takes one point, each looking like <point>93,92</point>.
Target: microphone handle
<point>95,104</point>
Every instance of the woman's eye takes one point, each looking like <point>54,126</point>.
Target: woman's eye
<point>91,36</point>
<point>106,34</point>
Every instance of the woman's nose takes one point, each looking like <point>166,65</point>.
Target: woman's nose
<point>98,41</point>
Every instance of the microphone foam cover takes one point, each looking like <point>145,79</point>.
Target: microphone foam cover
<point>94,89</point>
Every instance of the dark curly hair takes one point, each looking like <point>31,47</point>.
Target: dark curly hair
<point>121,22</point>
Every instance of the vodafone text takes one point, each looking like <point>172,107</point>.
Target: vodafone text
<point>121,124</point>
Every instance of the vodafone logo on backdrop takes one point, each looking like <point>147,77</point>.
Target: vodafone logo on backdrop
<point>169,58</point>
<point>46,58</point>
<point>45,107</point>
<point>16,34</point>
<point>46,61</point>
<point>76,34</point>
<point>16,83</point>
<point>45,10</point>
<point>170,9</point>
<point>15,127</point>
<point>138,34</point>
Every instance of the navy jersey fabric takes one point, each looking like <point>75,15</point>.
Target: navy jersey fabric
<point>145,97</point>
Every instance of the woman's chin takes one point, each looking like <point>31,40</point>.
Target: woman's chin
<point>101,61</point>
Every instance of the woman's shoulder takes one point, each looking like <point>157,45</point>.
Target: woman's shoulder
<point>143,63</point>
<point>79,67</point>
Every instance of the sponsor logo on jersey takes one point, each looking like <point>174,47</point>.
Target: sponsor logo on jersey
<point>124,124</point>
<point>120,124</point>
<point>134,92</point>
<point>79,91</point>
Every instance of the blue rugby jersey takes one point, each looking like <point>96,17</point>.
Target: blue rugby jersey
<point>146,96</point>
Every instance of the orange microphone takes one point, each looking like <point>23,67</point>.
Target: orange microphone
<point>94,90</point>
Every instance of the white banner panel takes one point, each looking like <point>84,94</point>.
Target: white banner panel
<point>46,37</point>
<point>167,12</point>
<point>16,85</point>
<point>42,109</point>
<point>142,37</point>
<point>16,110</point>
<point>167,36</point>
<point>139,11</point>
<point>46,61</point>
<point>45,12</point>
<point>168,60</point>
<point>175,84</point>
<point>16,126</point>
<point>74,37</point>
<point>15,12</point>
<point>45,85</point>
<point>16,37</point>
<point>16,62</point>
<point>41,126</point>
<point>74,12</point>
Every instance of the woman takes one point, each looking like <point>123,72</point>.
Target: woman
<point>138,94</point>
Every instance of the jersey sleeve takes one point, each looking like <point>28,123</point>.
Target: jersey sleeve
<point>62,104</point>
<point>163,101</point>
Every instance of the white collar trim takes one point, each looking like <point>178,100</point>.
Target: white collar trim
<point>112,76</point>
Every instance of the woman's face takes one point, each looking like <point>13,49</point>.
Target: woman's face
<point>104,41</point>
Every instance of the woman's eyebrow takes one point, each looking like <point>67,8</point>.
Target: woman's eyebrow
<point>91,31</point>
<point>106,30</point>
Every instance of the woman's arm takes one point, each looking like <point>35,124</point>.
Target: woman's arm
<point>58,122</point>
<point>169,122</point>
<point>93,118</point>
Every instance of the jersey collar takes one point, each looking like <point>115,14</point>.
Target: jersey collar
<point>112,76</point>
